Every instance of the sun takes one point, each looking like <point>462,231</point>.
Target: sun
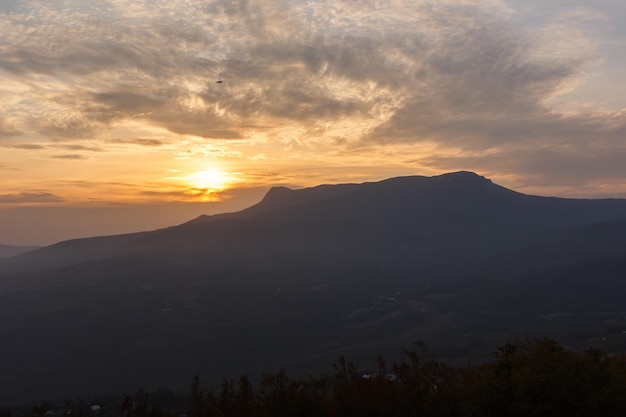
<point>214,179</point>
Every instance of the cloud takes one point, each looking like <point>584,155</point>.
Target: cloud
<point>28,146</point>
<point>250,193</point>
<point>562,164</point>
<point>29,197</point>
<point>185,194</point>
<point>80,148</point>
<point>7,129</point>
<point>65,126</point>
<point>138,141</point>
<point>483,81</point>
<point>277,65</point>
<point>69,156</point>
<point>471,77</point>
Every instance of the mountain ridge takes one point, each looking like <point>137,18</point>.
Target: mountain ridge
<point>279,195</point>
<point>455,204</point>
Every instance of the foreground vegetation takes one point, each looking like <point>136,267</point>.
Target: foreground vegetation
<point>526,378</point>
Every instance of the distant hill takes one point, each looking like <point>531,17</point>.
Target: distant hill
<point>8,251</point>
<point>305,275</point>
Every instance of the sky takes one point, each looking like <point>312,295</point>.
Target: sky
<point>112,118</point>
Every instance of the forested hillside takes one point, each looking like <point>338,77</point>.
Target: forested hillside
<point>535,377</point>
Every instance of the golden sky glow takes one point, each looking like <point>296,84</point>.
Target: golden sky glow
<point>113,108</point>
<point>211,179</point>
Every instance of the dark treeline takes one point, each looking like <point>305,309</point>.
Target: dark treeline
<point>526,378</point>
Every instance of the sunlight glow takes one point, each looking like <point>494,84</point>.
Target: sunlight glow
<point>213,179</point>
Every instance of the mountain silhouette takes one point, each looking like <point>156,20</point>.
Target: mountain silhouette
<point>449,209</point>
<point>305,275</point>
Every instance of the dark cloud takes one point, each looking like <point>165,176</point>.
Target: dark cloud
<point>129,103</point>
<point>74,126</point>
<point>203,123</point>
<point>29,197</point>
<point>80,148</point>
<point>186,194</point>
<point>27,146</point>
<point>484,82</point>
<point>162,107</point>
<point>251,194</point>
<point>138,141</point>
<point>69,156</point>
<point>542,163</point>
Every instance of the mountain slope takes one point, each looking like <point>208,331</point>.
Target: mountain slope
<point>305,275</point>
